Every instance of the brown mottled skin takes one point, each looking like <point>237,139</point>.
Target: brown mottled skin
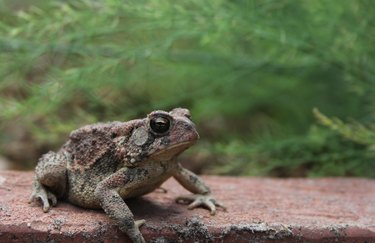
<point>102,164</point>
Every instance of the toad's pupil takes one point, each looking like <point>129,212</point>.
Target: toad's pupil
<point>160,124</point>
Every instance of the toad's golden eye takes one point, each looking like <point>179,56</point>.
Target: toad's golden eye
<point>160,124</point>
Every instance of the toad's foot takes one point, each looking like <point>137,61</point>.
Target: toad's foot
<point>41,194</point>
<point>197,200</point>
<point>134,233</point>
<point>161,190</point>
<point>139,223</point>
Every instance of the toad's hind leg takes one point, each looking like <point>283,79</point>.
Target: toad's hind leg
<point>50,179</point>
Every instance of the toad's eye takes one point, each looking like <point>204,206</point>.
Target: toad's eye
<point>160,124</point>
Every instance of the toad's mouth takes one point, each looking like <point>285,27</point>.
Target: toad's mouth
<point>172,150</point>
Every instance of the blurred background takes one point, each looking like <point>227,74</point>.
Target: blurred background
<point>276,87</point>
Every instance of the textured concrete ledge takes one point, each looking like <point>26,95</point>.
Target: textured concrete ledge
<point>259,209</point>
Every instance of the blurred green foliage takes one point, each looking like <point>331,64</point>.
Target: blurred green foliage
<point>250,71</point>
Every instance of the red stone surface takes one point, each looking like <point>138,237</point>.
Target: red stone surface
<point>259,209</point>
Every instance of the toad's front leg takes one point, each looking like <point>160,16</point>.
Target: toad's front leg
<point>115,207</point>
<point>202,194</point>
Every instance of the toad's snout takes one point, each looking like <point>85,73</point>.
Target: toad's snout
<point>184,131</point>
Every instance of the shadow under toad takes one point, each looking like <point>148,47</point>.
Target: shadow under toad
<point>147,209</point>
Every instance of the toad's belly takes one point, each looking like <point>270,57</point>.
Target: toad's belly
<point>84,195</point>
<point>142,188</point>
<point>142,180</point>
<point>146,179</point>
